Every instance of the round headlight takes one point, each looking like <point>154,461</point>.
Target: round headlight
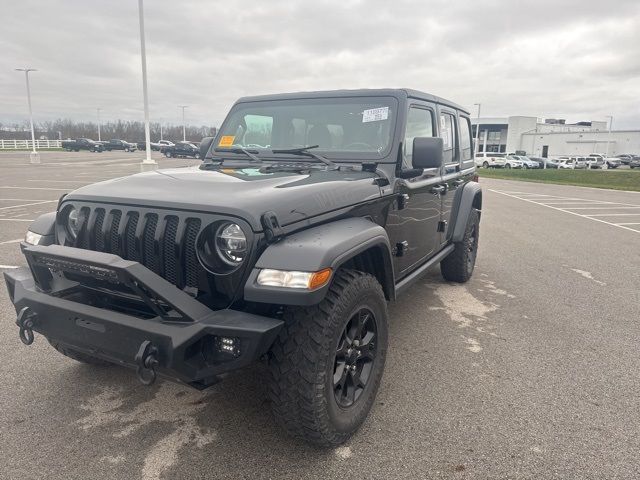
<point>231,243</point>
<point>73,225</point>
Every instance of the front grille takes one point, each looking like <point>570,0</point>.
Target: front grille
<point>165,243</point>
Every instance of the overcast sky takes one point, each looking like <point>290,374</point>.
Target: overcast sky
<point>578,60</point>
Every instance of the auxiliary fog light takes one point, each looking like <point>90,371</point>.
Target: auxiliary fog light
<point>228,345</point>
<point>292,279</point>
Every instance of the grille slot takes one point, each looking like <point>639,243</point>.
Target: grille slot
<point>164,243</point>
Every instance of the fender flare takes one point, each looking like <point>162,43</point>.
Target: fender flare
<point>45,225</point>
<point>326,246</point>
<point>464,204</point>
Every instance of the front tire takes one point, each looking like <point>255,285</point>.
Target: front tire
<point>458,265</point>
<point>328,360</point>
<point>485,165</point>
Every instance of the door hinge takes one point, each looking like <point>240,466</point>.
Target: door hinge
<point>442,226</point>
<point>403,201</point>
<point>401,248</point>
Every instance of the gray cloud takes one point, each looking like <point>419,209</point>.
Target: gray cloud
<point>575,59</point>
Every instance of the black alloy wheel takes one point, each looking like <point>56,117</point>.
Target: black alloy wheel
<point>355,357</point>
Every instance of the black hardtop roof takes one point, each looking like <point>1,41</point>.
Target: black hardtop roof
<point>364,92</point>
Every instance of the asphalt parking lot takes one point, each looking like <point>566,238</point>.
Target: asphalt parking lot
<point>528,371</point>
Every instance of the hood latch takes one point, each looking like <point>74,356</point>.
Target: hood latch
<point>271,226</point>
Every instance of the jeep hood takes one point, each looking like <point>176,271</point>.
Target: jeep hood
<point>246,193</point>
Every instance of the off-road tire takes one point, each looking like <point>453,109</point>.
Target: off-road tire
<point>78,356</point>
<point>458,265</point>
<point>302,361</point>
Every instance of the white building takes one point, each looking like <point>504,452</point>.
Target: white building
<point>552,137</point>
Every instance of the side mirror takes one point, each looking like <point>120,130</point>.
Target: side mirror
<point>427,152</point>
<point>205,144</point>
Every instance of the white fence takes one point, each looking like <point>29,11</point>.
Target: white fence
<point>28,144</point>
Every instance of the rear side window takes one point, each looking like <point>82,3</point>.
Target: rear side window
<point>449,140</point>
<point>419,124</point>
<point>465,139</point>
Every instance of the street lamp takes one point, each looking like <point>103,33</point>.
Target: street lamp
<point>148,163</point>
<point>477,127</point>
<point>610,117</point>
<point>184,131</point>
<point>34,157</point>
<point>98,110</point>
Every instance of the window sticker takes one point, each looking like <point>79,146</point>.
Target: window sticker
<point>226,141</point>
<point>375,114</point>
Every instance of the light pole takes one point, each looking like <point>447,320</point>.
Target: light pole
<point>34,157</point>
<point>184,130</point>
<point>610,117</point>
<point>477,127</point>
<point>98,110</point>
<point>148,163</point>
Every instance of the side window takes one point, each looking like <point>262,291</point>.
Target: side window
<point>419,124</point>
<point>449,140</point>
<point>465,139</point>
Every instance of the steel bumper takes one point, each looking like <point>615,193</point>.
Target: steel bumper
<point>186,341</point>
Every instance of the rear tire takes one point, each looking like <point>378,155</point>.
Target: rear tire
<point>328,360</point>
<point>485,165</point>
<point>458,265</point>
<point>79,356</point>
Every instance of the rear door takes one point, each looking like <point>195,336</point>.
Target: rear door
<point>458,160</point>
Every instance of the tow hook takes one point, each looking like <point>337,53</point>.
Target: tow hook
<point>147,361</point>
<point>25,322</point>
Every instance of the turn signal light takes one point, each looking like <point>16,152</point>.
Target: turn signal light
<point>319,279</point>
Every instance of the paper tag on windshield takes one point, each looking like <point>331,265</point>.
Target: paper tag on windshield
<point>375,114</point>
<point>226,141</point>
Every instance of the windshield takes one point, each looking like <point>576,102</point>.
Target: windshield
<point>345,128</point>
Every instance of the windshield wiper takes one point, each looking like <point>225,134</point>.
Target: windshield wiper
<point>240,149</point>
<point>305,151</point>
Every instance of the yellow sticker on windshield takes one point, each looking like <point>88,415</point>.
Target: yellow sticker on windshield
<point>226,141</point>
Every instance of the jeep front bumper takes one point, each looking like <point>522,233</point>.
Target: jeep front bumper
<point>181,339</point>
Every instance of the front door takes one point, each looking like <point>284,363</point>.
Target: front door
<point>413,221</point>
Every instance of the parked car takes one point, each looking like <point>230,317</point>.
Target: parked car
<point>596,163</point>
<point>625,158</point>
<point>165,143</point>
<point>612,162</point>
<point>490,159</point>
<point>155,146</point>
<point>116,144</point>
<point>572,163</point>
<point>288,255</point>
<point>181,149</point>
<point>82,144</point>
<point>635,163</point>
<point>513,161</point>
<point>545,162</point>
<point>526,161</point>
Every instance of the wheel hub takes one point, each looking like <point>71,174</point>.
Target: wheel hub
<point>355,357</point>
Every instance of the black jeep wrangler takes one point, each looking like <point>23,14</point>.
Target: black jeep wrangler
<point>308,214</point>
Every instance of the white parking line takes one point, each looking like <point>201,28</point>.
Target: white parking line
<point>589,217</point>
<point>16,220</point>
<point>35,188</point>
<point>7,242</point>
<point>611,207</point>
<point>8,267</point>
<point>611,214</point>
<point>28,204</point>
<point>22,200</point>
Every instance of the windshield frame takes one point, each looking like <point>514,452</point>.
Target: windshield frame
<point>388,155</point>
